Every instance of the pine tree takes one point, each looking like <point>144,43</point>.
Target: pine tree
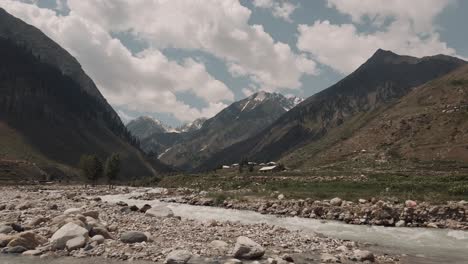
<point>91,167</point>
<point>112,168</point>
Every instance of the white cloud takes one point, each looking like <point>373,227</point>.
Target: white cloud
<point>146,82</point>
<point>215,26</point>
<point>280,8</point>
<point>344,48</point>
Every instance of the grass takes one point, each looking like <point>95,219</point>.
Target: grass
<point>436,189</point>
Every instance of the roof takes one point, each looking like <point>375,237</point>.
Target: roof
<point>268,168</point>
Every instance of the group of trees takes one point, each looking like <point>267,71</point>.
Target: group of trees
<point>93,168</point>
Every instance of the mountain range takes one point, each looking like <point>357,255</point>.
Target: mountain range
<point>187,148</point>
<point>51,112</point>
<point>337,112</point>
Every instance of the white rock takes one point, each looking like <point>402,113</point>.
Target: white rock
<point>400,223</point>
<point>178,257</point>
<point>160,211</point>
<point>246,248</point>
<point>233,261</point>
<point>281,197</point>
<point>98,238</point>
<point>65,233</point>
<point>410,203</point>
<point>72,211</point>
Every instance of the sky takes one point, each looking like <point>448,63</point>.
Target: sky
<point>178,60</point>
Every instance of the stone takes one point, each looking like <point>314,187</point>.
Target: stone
<point>328,258</point>
<point>178,257</point>
<point>145,208</point>
<point>72,211</point>
<point>6,229</point>
<point>33,252</point>
<point>98,239</point>
<point>160,211</point>
<point>219,246</point>
<point>336,201</point>
<point>400,223</point>
<point>362,201</point>
<point>4,240</point>
<point>24,206</point>
<point>15,250</point>
<point>121,203</point>
<point>363,255</point>
<point>232,261</point>
<point>76,243</point>
<point>410,203</point>
<point>432,225</point>
<point>133,237</point>
<point>28,240</point>
<point>93,214</point>
<point>53,207</point>
<point>65,233</point>
<point>17,227</point>
<point>133,208</point>
<point>281,197</point>
<point>246,248</point>
<point>38,220</point>
<point>100,231</point>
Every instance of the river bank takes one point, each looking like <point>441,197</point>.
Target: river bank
<point>71,221</point>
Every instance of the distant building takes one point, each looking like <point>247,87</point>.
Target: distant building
<point>225,167</point>
<point>271,163</point>
<point>235,165</point>
<point>270,169</point>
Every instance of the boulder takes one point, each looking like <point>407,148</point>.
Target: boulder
<point>133,237</point>
<point>93,214</point>
<point>76,243</point>
<point>65,233</point>
<point>4,240</point>
<point>98,239</point>
<point>145,208</point>
<point>246,248</point>
<point>160,211</point>
<point>34,252</point>
<point>363,255</point>
<point>28,240</point>
<point>38,220</point>
<point>6,229</point>
<point>400,223</point>
<point>100,231</point>
<point>178,257</point>
<point>336,201</point>
<point>72,211</point>
<point>133,208</point>
<point>410,203</point>
<point>15,250</point>
<point>219,247</point>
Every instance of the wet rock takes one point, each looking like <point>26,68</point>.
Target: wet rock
<point>65,233</point>
<point>133,208</point>
<point>76,243</point>
<point>246,248</point>
<point>133,237</point>
<point>363,255</point>
<point>6,229</point>
<point>178,257</point>
<point>160,211</point>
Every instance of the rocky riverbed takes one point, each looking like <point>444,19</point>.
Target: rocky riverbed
<point>409,213</point>
<point>64,221</point>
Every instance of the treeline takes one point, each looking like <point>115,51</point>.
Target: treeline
<point>94,169</point>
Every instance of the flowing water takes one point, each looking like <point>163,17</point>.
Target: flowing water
<point>422,245</point>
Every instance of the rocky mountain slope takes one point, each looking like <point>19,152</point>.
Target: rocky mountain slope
<point>144,126</point>
<point>237,122</point>
<point>336,112</point>
<point>429,125</point>
<point>51,112</point>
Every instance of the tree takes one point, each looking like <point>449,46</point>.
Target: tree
<point>244,161</point>
<point>112,168</point>
<point>91,167</point>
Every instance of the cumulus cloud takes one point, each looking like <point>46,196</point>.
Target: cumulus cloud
<point>410,31</point>
<point>215,26</point>
<point>280,8</point>
<point>145,82</point>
